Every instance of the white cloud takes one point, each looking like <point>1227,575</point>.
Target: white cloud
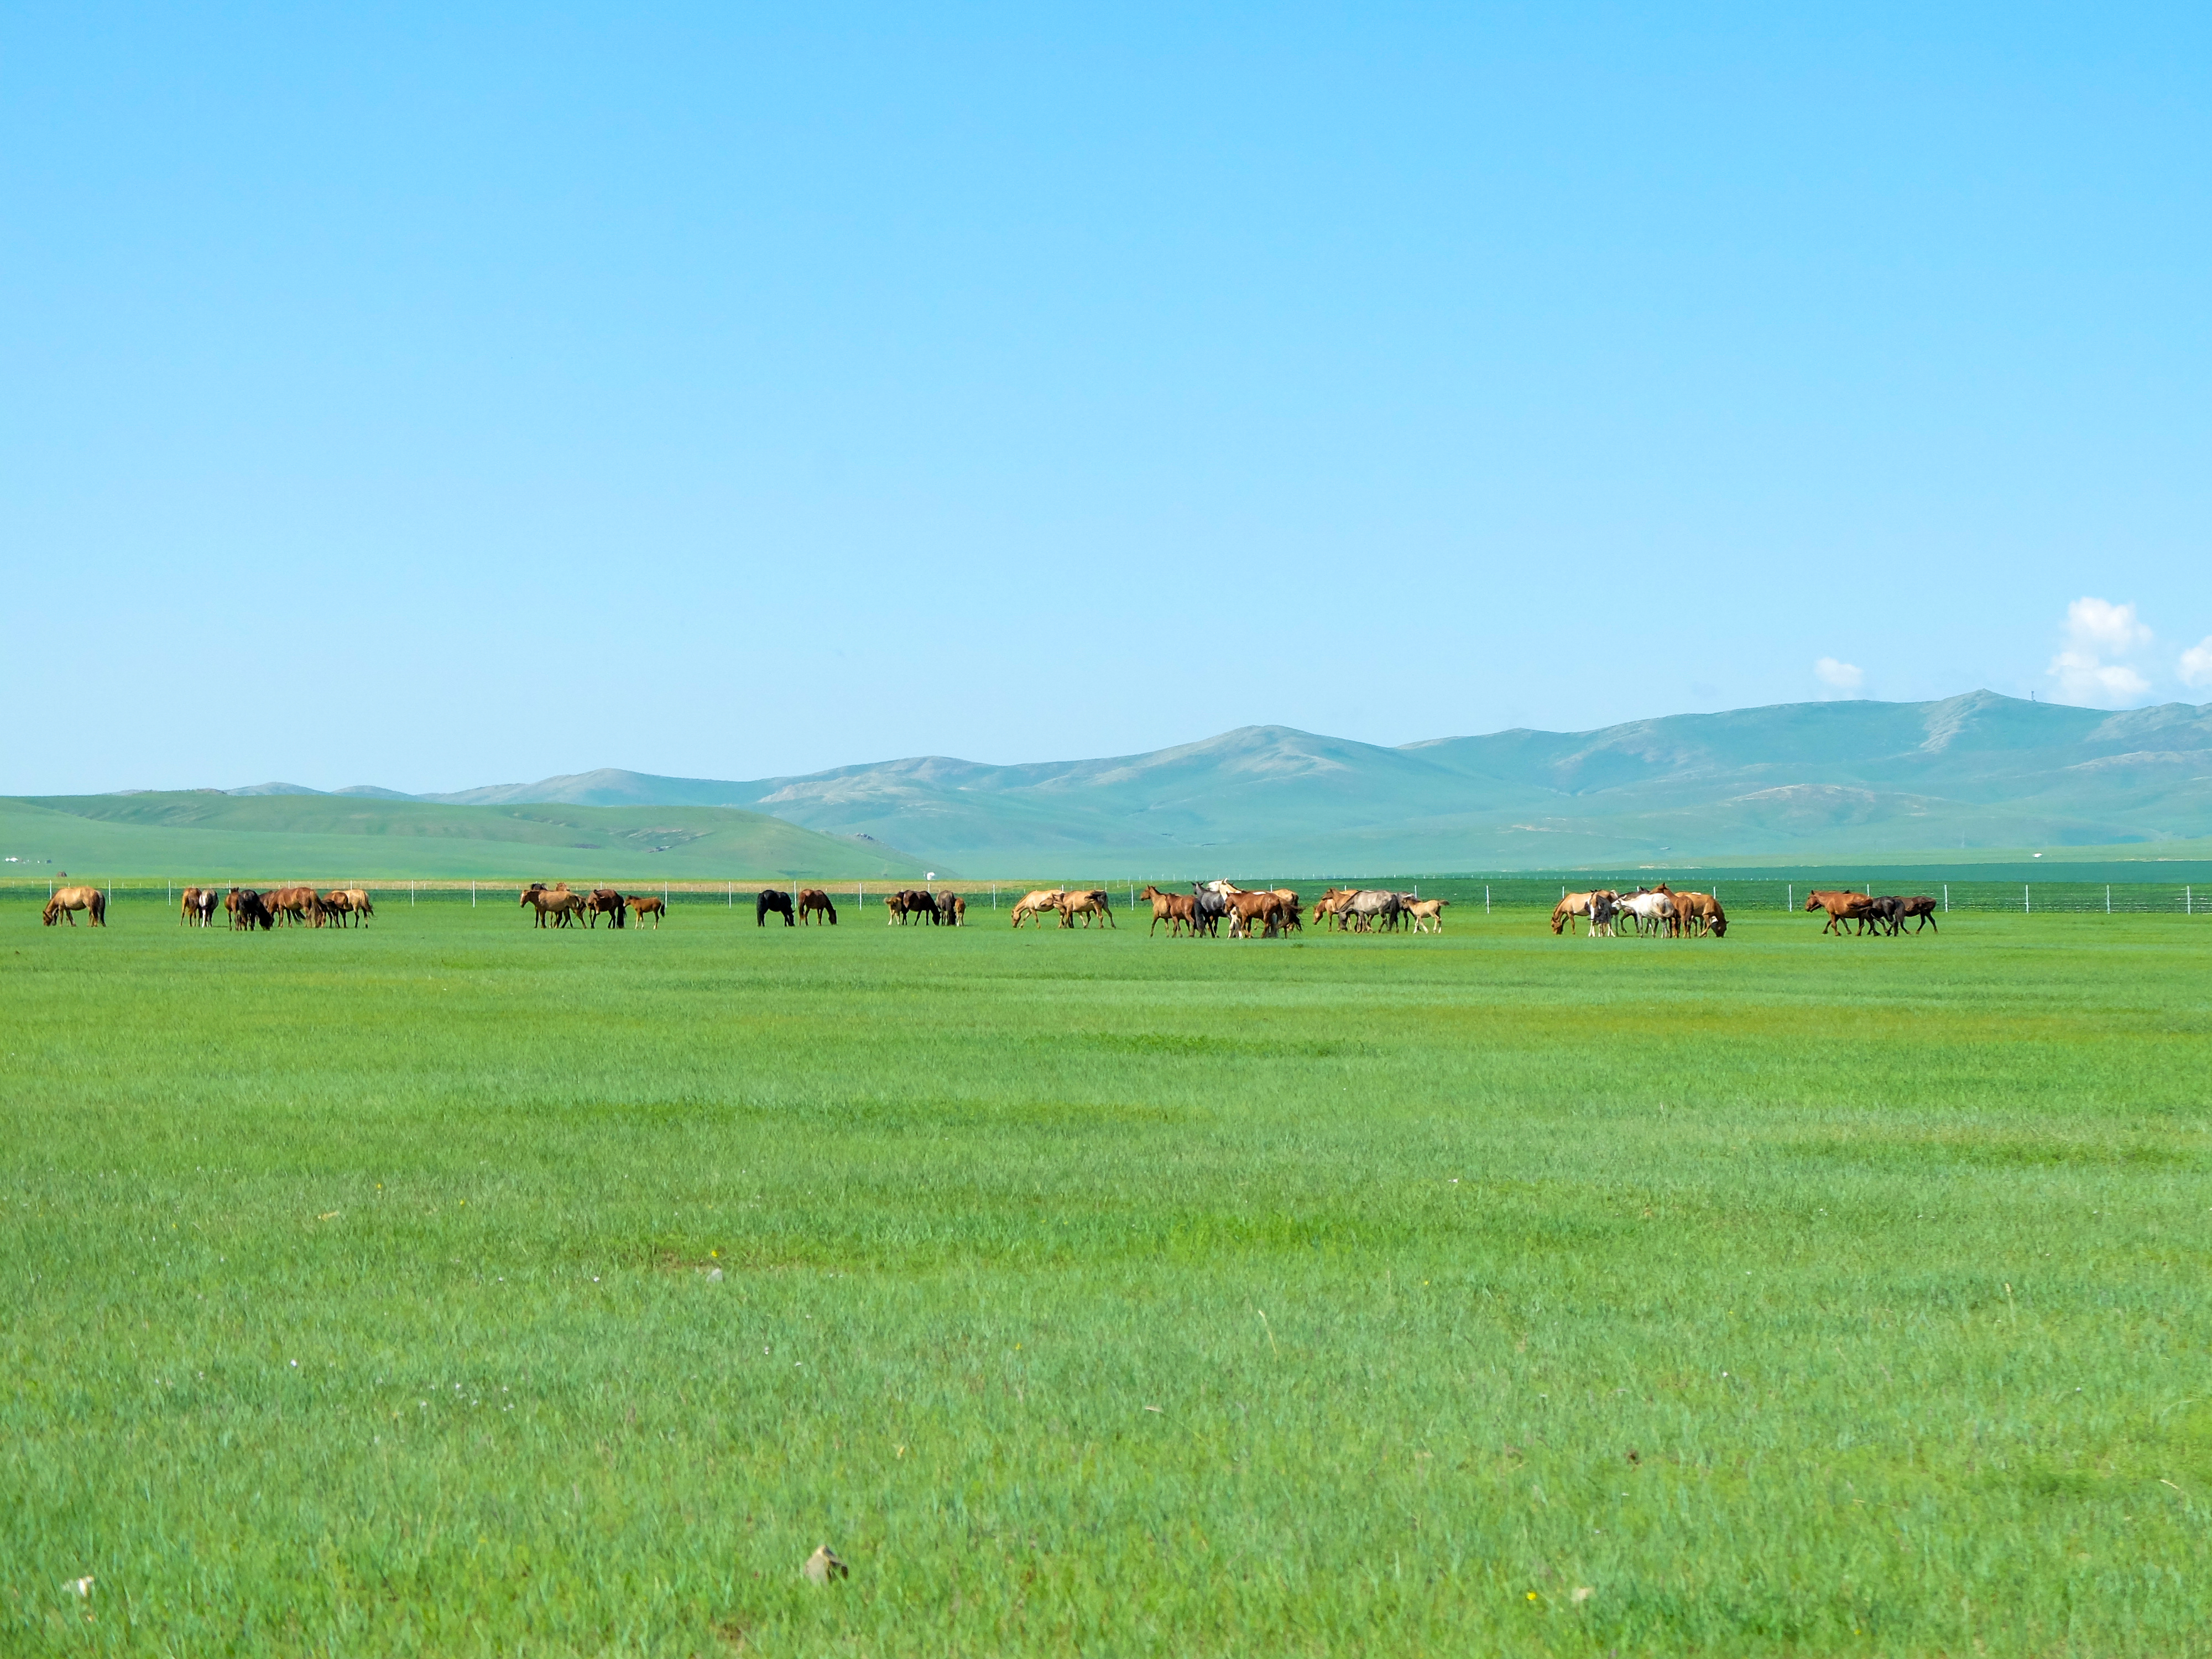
<point>2097,630</point>
<point>2103,627</point>
<point>1844,675</point>
<point>2195,664</point>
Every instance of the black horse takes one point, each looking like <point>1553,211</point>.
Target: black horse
<point>1884,915</point>
<point>772,899</point>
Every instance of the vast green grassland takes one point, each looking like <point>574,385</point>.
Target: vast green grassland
<point>449,1287</point>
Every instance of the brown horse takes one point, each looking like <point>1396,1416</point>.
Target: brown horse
<point>290,904</point>
<point>1700,913</point>
<point>813,901</point>
<point>1923,907</point>
<point>1173,909</point>
<point>649,904</point>
<point>604,902</point>
<point>558,902</point>
<point>69,900</point>
<point>952,909</point>
<point>1841,908</point>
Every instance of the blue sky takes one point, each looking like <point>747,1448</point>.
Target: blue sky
<point>445,395</point>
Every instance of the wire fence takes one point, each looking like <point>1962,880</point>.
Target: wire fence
<point>1463,893</point>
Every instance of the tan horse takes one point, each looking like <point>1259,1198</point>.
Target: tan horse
<point>558,902</point>
<point>1428,914</point>
<point>1578,904</point>
<point>1035,904</point>
<point>69,900</point>
<point>647,904</point>
<point>1335,906</point>
<point>199,905</point>
<point>1086,905</point>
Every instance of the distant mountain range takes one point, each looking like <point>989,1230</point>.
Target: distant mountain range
<point>1797,780</point>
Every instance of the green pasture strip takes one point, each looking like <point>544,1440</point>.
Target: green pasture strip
<point>452,1288</point>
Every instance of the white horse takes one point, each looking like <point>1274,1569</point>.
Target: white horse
<point>1655,909</point>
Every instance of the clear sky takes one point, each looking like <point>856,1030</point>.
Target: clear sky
<point>441,396</point>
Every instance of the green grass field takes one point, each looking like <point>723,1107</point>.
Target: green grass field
<point>1100,1294</point>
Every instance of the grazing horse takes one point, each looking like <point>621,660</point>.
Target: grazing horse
<point>1701,913</point>
<point>248,908</point>
<point>1923,907</point>
<point>69,900</point>
<point>291,904</point>
<point>1087,905</point>
<point>1173,909</point>
<point>604,902</point>
<point>199,905</point>
<point>1428,914</point>
<point>1842,907</point>
<point>1036,904</point>
<point>652,904</point>
<point>813,901</point>
<point>1334,907</point>
<point>558,902</point>
<point>1578,904</point>
<point>770,900</point>
<point>952,909</point>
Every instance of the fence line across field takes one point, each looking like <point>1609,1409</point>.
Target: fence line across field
<point>1494,893</point>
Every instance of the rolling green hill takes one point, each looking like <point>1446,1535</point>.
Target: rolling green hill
<point>204,836</point>
<point>1970,779</point>
<point>1795,781</point>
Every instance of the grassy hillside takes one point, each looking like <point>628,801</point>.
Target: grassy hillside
<point>195,835</point>
<point>1798,782</point>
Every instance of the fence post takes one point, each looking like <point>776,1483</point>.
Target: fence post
<point>1788,896</point>
<point>472,896</point>
<point>1946,898</point>
<point>995,895</point>
<point>2023,906</point>
<point>2108,898</point>
<point>729,895</point>
<point>1485,898</point>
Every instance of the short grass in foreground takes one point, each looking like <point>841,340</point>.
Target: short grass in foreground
<point>1103,1294</point>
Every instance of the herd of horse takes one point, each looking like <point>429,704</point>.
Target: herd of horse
<point>1204,911</point>
<point>1873,916</point>
<point>565,908</point>
<point>1652,911</point>
<point>249,908</point>
<point>1267,913</point>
